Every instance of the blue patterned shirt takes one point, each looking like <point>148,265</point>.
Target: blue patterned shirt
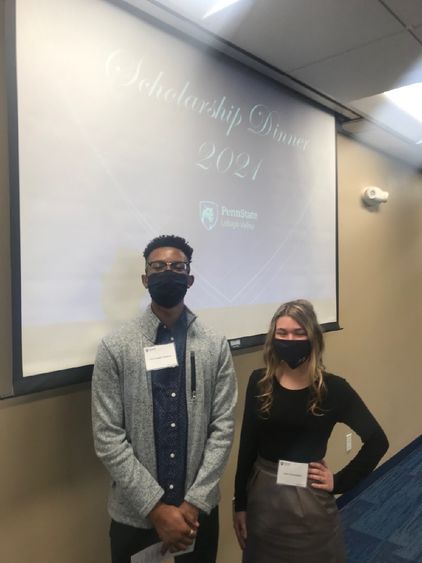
<point>170,415</point>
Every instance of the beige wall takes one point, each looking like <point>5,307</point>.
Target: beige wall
<point>380,289</point>
<point>52,489</point>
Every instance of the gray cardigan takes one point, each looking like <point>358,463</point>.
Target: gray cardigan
<point>122,411</point>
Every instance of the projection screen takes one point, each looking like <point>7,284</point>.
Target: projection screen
<point>123,129</point>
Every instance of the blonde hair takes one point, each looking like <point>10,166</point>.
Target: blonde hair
<point>303,313</point>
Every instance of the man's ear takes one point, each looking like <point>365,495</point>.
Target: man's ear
<point>191,279</point>
<point>144,279</point>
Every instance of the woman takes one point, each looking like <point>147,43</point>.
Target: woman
<point>291,408</point>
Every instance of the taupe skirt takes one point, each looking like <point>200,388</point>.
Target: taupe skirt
<point>287,524</point>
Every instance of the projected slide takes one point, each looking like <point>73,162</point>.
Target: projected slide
<point>127,131</point>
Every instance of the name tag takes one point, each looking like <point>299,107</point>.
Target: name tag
<point>291,473</point>
<point>160,356</point>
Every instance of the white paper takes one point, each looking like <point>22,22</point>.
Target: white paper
<point>160,356</point>
<point>152,554</point>
<point>291,473</point>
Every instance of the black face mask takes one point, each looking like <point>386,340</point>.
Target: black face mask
<point>293,352</point>
<point>168,288</point>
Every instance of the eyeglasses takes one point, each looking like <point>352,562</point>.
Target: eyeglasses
<point>158,266</point>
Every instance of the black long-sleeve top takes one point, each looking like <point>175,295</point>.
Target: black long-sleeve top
<point>292,433</point>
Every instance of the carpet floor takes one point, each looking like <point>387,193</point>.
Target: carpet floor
<point>383,523</point>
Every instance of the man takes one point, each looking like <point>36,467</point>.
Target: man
<point>163,395</point>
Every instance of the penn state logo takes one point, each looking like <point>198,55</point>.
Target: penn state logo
<point>208,212</point>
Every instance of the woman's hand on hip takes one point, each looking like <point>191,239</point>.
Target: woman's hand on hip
<point>321,476</point>
<point>239,524</point>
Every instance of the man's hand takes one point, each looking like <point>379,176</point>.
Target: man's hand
<point>190,514</point>
<point>171,527</point>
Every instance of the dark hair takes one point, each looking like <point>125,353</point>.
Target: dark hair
<point>169,240</point>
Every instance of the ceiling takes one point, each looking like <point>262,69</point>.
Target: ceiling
<point>341,53</point>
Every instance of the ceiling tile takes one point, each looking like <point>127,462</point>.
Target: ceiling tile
<point>380,66</point>
<point>409,11</point>
<point>291,34</point>
<point>418,32</point>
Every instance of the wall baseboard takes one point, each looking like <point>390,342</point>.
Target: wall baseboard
<point>378,472</point>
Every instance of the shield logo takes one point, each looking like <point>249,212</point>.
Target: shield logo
<point>208,212</point>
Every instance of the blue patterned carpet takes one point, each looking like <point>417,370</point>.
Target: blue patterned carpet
<point>383,523</point>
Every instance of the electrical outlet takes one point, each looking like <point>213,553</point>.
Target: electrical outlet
<point>348,442</point>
